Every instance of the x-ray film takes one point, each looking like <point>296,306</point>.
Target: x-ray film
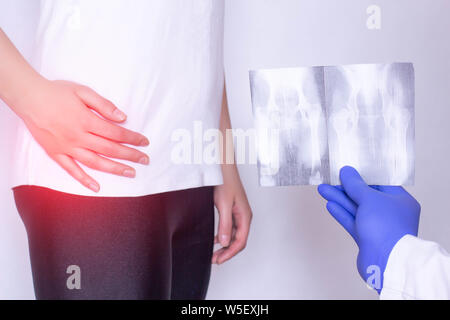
<point>312,121</point>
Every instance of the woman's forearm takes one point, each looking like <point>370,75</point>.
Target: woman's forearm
<point>227,159</point>
<point>235,214</point>
<point>16,75</point>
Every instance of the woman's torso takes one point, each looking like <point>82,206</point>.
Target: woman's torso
<point>159,61</point>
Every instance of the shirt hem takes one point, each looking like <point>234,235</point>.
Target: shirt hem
<point>177,187</point>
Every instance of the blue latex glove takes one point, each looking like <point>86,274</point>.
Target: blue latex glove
<point>375,216</point>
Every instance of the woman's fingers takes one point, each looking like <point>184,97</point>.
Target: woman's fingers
<point>225,223</point>
<point>115,150</point>
<point>76,172</point>
<point>216,255</point>
<point>238,243</point>
<point>103,106</point>
<point>111,131</point>
<point>240,231</point>
<point>94,161</point>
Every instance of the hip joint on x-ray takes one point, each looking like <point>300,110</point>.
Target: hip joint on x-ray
<point>312,121</point>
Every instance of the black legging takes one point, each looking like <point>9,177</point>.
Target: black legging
<point>149,247</point>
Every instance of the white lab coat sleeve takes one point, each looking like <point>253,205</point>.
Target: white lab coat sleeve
<point>416,269</point>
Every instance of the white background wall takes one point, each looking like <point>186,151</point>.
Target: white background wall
<point>18,20</point>
<point>296,250</point>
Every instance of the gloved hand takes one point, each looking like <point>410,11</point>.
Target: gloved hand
<point>375,216</point>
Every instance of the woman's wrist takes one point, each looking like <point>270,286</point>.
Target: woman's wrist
<point>18,79</point>
<point>17,96</point>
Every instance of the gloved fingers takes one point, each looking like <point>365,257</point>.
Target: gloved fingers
<point>353,184</point>
<point>394,190</point>
<point>336,194</point>
<point>345,218</point>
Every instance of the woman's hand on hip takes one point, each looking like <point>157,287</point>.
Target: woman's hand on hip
<point>60,116</point>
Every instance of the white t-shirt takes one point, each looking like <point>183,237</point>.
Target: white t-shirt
<point>160,61</point>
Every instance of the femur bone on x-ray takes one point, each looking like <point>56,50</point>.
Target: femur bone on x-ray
<point>312,121</point>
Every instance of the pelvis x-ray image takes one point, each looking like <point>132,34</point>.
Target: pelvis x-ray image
<point>290,122</point>
<point>312,121</point>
